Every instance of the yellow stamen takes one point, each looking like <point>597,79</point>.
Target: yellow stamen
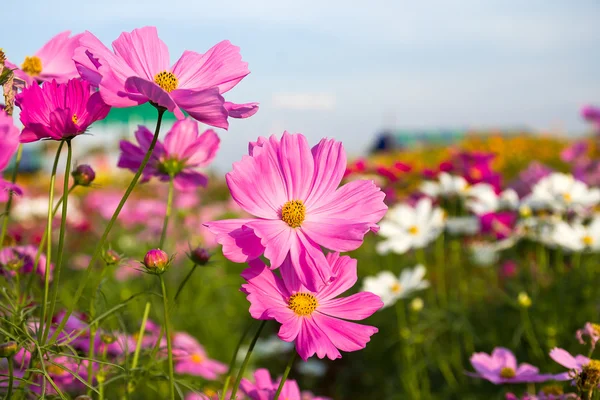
<point>587,240</point>
<point>413,230</point>
<point>74,119</point>
<point>596,328</point>
<point>32,66</point>
<point>567,197</point>
<point>166,80</point>
<point>507,373</point>
<point>396,288</point>
<point>293,213</point>
<point>197,358</point>
<point>303,303</point>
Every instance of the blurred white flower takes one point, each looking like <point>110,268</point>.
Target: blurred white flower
<point>561,192</point>
<point>265,348</point>
<point>576,236</point>
<point>446,186</point>
<point>485,254</point>
<point>468,225</point>
<point>27,208</point>
<point>405,227</point>
<point>483,199</point>
<point>391,288</point>
<point>312,367</point>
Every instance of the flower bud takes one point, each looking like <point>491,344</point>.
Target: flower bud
<point>199,256</point>
<point>111,257</point>
<point>524,300</point>
<point>83,175</point>
<point>156,261</point>
<point>416,304</point>
<point>8,349</point>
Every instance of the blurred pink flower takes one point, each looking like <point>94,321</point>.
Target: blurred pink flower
<point>24,257</point>
<point>264,388</point>
<point>590,330</point>
<point>293,192</point>
<point>181,153</point>
<point>501,367</point>
<point>59,111</point>
<point>591,114</point>
<point>499,224</point>
<point>138,71</point>
<point>9,141</point>
<point>316,320</point>
<point>191,358</point>
<point>564,358</point>
<point>509,269</point>
<point>53,61</point>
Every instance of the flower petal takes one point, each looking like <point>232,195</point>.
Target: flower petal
<point>356,307</point>
<point>239,242</point>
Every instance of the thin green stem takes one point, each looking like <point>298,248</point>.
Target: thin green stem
<point>182,284</point>
<point>138,345</point>
<point>240,374</point>
<point>61,242</point>
<point>167,324</point>
<point>232,362</point>
<point>40,332</point>
<point>10,196</point>
<point>113,219</point>
<point>163,235</point>
<point>288,368</point>
<point>11,378</point>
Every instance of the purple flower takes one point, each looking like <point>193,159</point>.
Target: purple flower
<point>191,358</point>
<point>574,151</point>
<point>181,153</point>
<point>591,330</point>
<point>529,177</point>
<point>574,364</point>
<point>9,141</point>
<point>23,259</point>
<point>501,367</point>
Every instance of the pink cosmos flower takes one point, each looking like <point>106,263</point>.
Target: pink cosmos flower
<point>591,114</point>
<point>501,367</point>
<point>316,320</point>
<point>138,71</point>
<point>293,191</point>
<point>182,151</point>
<point>59,111</point>
<point>500,224</point>
<point>9,141</point>
<point>54,61</point>
<point>264,388</point>
<point>191,358</point>
<point>24,258</point>
<point>590,330</point>
<point>574,364</point>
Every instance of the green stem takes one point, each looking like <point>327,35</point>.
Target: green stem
<point>113,219</point>
<point>91,356</point>
<point>138,345</point>
<point>10,196</point>
<point>530,334</point>
<point>441,273</point>
<point>232,362</point>
<point>163,235</point>
<point>168,335</point>
<point>10,378</point>
<point>49,243</point>
<point>285,374</point>
<point>187,277</point>
<point>240,374</point>
<point>61,242</point>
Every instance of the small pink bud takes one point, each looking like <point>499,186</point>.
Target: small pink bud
<point>156,261</point>
<point>83,175</point>
<point>199,256</point>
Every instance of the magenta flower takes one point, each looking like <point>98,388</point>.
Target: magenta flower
<point>316,320</point>
<point>501,367</point>
<point>574,364</point>
<point>191,358</point>
<point>182,151</point>
<point>591,114</point>
<point>22,258</point>
<point>138,71</point>
<point>590,330</point>
<point>293,192</point>
<point>59,111</point>
<point>9,141</point>
<point>264,388</point>
<point>54,61</point>
<point>499,224</point>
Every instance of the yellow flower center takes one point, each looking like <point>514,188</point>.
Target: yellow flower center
<point>475,173</point>
<point>587,240</point>
<point>166,80</point>
<point>55,370</point>
<point>303,303</point>
<point>74,119</point>
<point>396,288</point>
<point>567,197</point>
<point>413,230</point>
<point>293,213</point>
<point>507,373</point>
<point>594,365</point>
<point>32,66</point>
<point>197,358</point>
<point>596,328</point>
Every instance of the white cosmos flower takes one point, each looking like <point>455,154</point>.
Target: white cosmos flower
<point>485,254</point>
<point>405,227</point>
<point>467,225</point>
<point>446,186</point>
<point>576,236</point>
<point>390,288</point>
<point>560,192</point>
<point>482,199</point>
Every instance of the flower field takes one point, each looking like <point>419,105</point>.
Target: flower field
<point>461,272</point>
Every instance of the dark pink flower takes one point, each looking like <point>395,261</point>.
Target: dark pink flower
<point>59,111</point>
<point>54,61</point>
<point>500,224</point>
<point>264,388</point>
<point>138,71</point>
<point>9,141</point>
<point>501,367</point>
<point>182,152</point>
<point>591,114</point>
<point>22,257</point>
<point>191,358</point>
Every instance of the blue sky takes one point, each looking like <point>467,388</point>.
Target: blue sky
<point>327,68</point>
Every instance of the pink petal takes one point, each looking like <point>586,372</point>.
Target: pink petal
<point>564,358</point>
<point>335,234</point>
<point>264,290</point>
<point>296,165</point>
<point>505,357</point>
<point>221,66</point>
<point>330,166</point>
<point>240,244</point>
<point>188,180</point>
<point>241,110</point>
<point>203,150</point>
<point>346,336</point>
<point>181,136</point>
<point>204,105</point>
<point>290,327</point>
<point>143,51</point>
<point>276,237</point>
<point>311,340</point>
<point>57,58</point>
<point>310,264</point>
<point>356,307</point>
<point>344,269</point>
<point>148,90</point>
